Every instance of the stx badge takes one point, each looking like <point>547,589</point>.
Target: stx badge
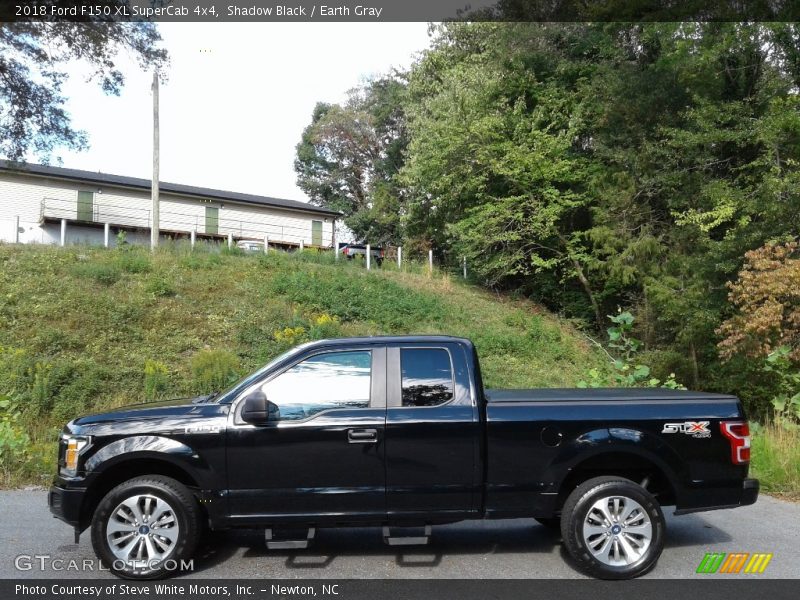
<point>696,429</point>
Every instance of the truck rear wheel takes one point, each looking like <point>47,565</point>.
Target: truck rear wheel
<point>613,528</point>
<point>146,527</point>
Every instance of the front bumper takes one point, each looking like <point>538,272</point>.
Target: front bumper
<point>65,504</point>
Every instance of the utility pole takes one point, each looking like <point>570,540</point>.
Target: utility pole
<point>154,226</point>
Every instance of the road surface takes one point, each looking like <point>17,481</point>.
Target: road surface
<point>517,548</point>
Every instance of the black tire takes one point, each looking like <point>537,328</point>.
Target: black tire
<point>551,523</point>
<point>187,515</point>
<point>576,510</point>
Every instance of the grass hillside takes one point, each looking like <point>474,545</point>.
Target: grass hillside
<point>83,329</point>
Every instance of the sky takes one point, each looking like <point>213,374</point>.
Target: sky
<point>236,101</point>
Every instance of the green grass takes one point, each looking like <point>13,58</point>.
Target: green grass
<point>775,460</point>
<point>78,326</point>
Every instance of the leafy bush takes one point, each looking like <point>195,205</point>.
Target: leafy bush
<point>625,371</point>
<point>214,369</point>
<point>786,404</point>
<point>160,287</point>
<point>156,376</point>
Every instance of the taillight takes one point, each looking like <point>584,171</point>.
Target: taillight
<point>738,434</point>
<point>345,251</point>
<point>381,252</point>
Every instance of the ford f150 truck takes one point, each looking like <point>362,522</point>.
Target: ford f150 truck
<point>398,432</point>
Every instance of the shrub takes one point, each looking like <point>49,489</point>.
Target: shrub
<point>786,404</point>
<point>625,370</point>
<point>214,369</point>
<point>156,376</point>
<point>160,287</point>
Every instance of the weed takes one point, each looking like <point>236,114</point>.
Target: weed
<point>213,370</point>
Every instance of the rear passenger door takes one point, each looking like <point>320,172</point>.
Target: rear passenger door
<point>432,433</point>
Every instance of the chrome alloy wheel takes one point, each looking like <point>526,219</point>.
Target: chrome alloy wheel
<point>617,531</point>
<point>142,531</point>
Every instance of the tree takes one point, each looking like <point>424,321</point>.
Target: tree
<point>767,300</point>
<point>33,119</point>
<point>349,156</point>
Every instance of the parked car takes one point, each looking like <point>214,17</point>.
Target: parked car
<point>352,250</point>
<point>399,432</point>
<point>251,246</point>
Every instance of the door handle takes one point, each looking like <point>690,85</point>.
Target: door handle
<point>362,436</point>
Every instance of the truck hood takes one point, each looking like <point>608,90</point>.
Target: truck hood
<point>145,411</point>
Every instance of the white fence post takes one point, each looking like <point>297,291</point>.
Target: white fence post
<point>266,244</point>
<point>430,260</point>
<point>230,240</point>
<point>106,234</point>
<point>369,256</point>
<point>302,245</point>
<point>193,238</point>
<point>465,267</point>
<point>336,251</point>
<point>16,229</point>
<point>63,232</point>
<point>399,257</point>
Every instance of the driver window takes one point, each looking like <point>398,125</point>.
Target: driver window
<point>322,382</point>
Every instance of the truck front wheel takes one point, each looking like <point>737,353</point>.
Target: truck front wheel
<point>613,528</point>
<point>146,528</point>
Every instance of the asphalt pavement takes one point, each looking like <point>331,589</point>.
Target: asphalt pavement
<point>518,548</point>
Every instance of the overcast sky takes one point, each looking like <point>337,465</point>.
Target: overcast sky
<point>237,98</point>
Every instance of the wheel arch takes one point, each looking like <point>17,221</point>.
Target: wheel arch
<point>127,468</point>
<point>623,452</point>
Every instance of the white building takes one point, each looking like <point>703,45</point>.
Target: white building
<point>38,203</point>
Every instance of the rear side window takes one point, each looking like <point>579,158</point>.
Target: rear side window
<point>427,376</point>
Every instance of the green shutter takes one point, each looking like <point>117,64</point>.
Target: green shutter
<point>316,233</point>
<point>85,208</point>
<point>212,219</point>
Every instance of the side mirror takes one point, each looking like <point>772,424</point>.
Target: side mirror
<point>255,409</point>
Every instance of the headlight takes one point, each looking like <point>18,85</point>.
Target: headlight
<point>74,445</point>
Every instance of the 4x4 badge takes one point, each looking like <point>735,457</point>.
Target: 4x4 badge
<point>697,429</point>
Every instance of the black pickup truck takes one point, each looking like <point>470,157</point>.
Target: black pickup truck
<point>398,432</point>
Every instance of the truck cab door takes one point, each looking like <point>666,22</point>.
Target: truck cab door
<point>320,455</point>
<point>433,433</point>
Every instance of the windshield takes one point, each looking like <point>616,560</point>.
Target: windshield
<point>227,395</point>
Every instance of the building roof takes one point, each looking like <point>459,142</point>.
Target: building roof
<point>171,188</point>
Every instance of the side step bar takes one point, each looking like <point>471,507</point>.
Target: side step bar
<point>285,544</point>
<point>419,540</point>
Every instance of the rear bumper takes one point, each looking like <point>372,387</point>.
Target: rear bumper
<point>750,489</point>
<point>747,496</point>
<point>65,504</point>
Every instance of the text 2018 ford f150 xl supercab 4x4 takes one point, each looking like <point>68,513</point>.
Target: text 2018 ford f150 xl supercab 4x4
<point>399,432</point>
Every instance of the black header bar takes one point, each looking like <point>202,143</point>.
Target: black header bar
<point>372,11</point>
